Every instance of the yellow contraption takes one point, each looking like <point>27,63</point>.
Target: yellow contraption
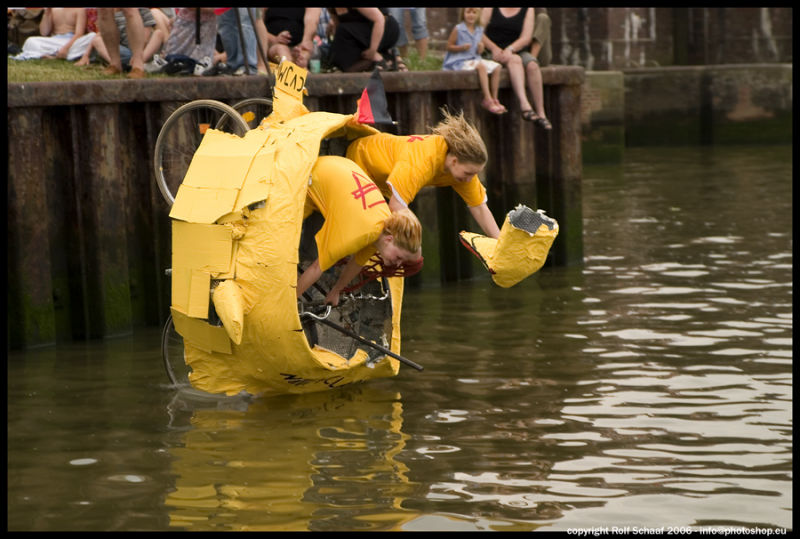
<point>520,250</point>
<point>236,224</point>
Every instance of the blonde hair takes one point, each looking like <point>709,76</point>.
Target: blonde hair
<point>404,226</point>
<point>463,140</point>
<point>464,11</point>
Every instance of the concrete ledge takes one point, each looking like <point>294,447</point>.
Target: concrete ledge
<point>37,94</point>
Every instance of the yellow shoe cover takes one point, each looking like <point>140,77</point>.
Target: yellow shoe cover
<point>520,250</point>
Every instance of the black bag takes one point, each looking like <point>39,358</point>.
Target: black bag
<point>179,64</point>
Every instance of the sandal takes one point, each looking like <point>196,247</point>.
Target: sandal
<point>399,65</point>
<point>529,115</point>
<point>490,105</point>
<point>544,123</point>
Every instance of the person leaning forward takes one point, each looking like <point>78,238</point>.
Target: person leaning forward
<point>454,155</point>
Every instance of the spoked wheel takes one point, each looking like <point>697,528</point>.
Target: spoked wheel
<point>253,110</point>
<point>172,352</point>
<point>181,135</point>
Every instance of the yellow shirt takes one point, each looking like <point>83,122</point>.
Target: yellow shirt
<point>408,163</point>
<point>353,208</point>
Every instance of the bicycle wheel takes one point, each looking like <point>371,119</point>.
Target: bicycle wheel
<point>172,352</point>
<point>252,110</point>
<point>181,135</point>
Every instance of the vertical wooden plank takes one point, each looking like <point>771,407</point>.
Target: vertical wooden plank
<point>103,202</point>
<point>31,317</point>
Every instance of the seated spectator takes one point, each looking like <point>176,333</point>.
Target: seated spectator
<point>184,39</point>
<point>290,33</point>
<point>464,48</point>
<point>63,35</point>
<point>151,36</point>
<point>508,33</point>
<point>364,39</point>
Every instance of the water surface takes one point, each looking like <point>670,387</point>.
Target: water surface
<point>650,387</point>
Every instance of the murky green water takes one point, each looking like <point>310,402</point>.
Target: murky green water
<point>650,388</point>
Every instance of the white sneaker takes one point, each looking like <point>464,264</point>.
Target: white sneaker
<point>155,65</point>
<point>239,71</point>
<point>201,67</point>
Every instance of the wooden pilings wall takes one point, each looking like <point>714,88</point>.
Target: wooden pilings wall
<point>88,230</point>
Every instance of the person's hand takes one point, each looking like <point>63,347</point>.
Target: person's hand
<point>480,48</point>
<point>62,53</point>
<point>301,56</point>
<point>284,37</point>
<point>371,54</point>
<point>333,297</point>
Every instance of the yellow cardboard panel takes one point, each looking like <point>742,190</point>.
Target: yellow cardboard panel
<point>181,279</point>
<point>222,160</point>
<point>199,294</point>
<point>201,246</point>
<point>198,205</point>
<point>201,334</point>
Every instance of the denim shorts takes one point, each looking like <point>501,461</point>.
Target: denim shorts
<point>419,24</point>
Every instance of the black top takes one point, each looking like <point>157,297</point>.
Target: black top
<point>278,19</point>
<point>503,31</point>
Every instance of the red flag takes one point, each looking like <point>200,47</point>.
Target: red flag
<point>372,107</point>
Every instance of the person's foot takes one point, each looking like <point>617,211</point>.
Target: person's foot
<point>529,115</point>
<point>155,65</point>
<point>111,70</point>
<point>500,106</point>
<point>543,122</point>
<point>136,73</point>
<point>490,105</point>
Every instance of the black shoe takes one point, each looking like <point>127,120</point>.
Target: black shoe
<point>220,68</point>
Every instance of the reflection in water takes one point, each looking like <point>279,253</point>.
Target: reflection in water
<point>651,386</point>
<point>324,461</point>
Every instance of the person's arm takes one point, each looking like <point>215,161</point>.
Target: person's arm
<point>310,276</point>
<point>46,24</point>
<point>452,40</point>
<point>378,22</point>
<point>525,36</point>
<point>485,219</point>
<point>349,273</point>
<point>310,23</point>
<point>498,54</point>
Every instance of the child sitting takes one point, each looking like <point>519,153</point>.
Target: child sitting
<point>464,48</point>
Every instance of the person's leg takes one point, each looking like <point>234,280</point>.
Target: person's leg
<point>419,29</point>
<point>494,84</point>
<point>136,37</point>
<point>534,76</point>
<point>110,37</point>
<point>250,53</point>
<point>516,73</point>
<point>397,14</point>
<point>541,47</point>
<point>154,44</point>
<point>229,35</point>
<point>483,80</point>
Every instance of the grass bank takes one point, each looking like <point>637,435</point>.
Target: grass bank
<point>57,70</point>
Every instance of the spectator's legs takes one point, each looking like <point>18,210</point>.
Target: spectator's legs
<point>229,33</point>
<point>398,14</point>
<point>494,83</point>
<point>534,76</point>
<point>136,37</point>
<point>419,29</point>
<point>110,37</point>
<point>517,75</point>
